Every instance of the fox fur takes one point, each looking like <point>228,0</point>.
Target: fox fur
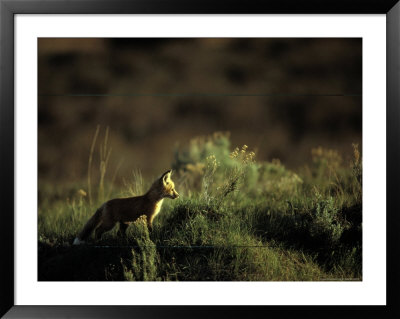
<point>126,210</point>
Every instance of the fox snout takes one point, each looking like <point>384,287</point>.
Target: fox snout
<point>175,195</point>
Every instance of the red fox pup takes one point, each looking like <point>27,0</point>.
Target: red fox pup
<point>127,210</point>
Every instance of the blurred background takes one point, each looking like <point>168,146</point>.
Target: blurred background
<point>281,97</point>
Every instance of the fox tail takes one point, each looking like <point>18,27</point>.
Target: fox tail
<point>92,223</point>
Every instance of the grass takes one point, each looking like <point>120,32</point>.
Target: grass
<point>237,219</point>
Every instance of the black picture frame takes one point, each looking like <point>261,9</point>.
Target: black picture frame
<point>8,10</point>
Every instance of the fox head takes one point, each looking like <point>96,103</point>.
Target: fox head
<point>168,186</point>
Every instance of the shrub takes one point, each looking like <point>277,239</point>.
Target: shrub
<point>145,259</point>
<point>326,224</point>
<point>325,160</point>
<point>274,178</point>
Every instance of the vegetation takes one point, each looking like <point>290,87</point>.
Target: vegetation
<point>236,219</point>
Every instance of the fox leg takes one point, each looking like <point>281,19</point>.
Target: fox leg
<point>103,228</point>
<point>122,229</point>
<point>150,223</point>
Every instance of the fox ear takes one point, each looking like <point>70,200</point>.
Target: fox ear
<point>166,175</point>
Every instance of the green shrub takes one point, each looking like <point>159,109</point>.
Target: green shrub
<point>145,259</point>
<point>325,223</point>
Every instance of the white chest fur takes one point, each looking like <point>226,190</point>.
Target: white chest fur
<point>157,208</point>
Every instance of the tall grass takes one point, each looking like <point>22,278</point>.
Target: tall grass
<point>237,219</point>
<point>104,157</point>
<point>90,164</point>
